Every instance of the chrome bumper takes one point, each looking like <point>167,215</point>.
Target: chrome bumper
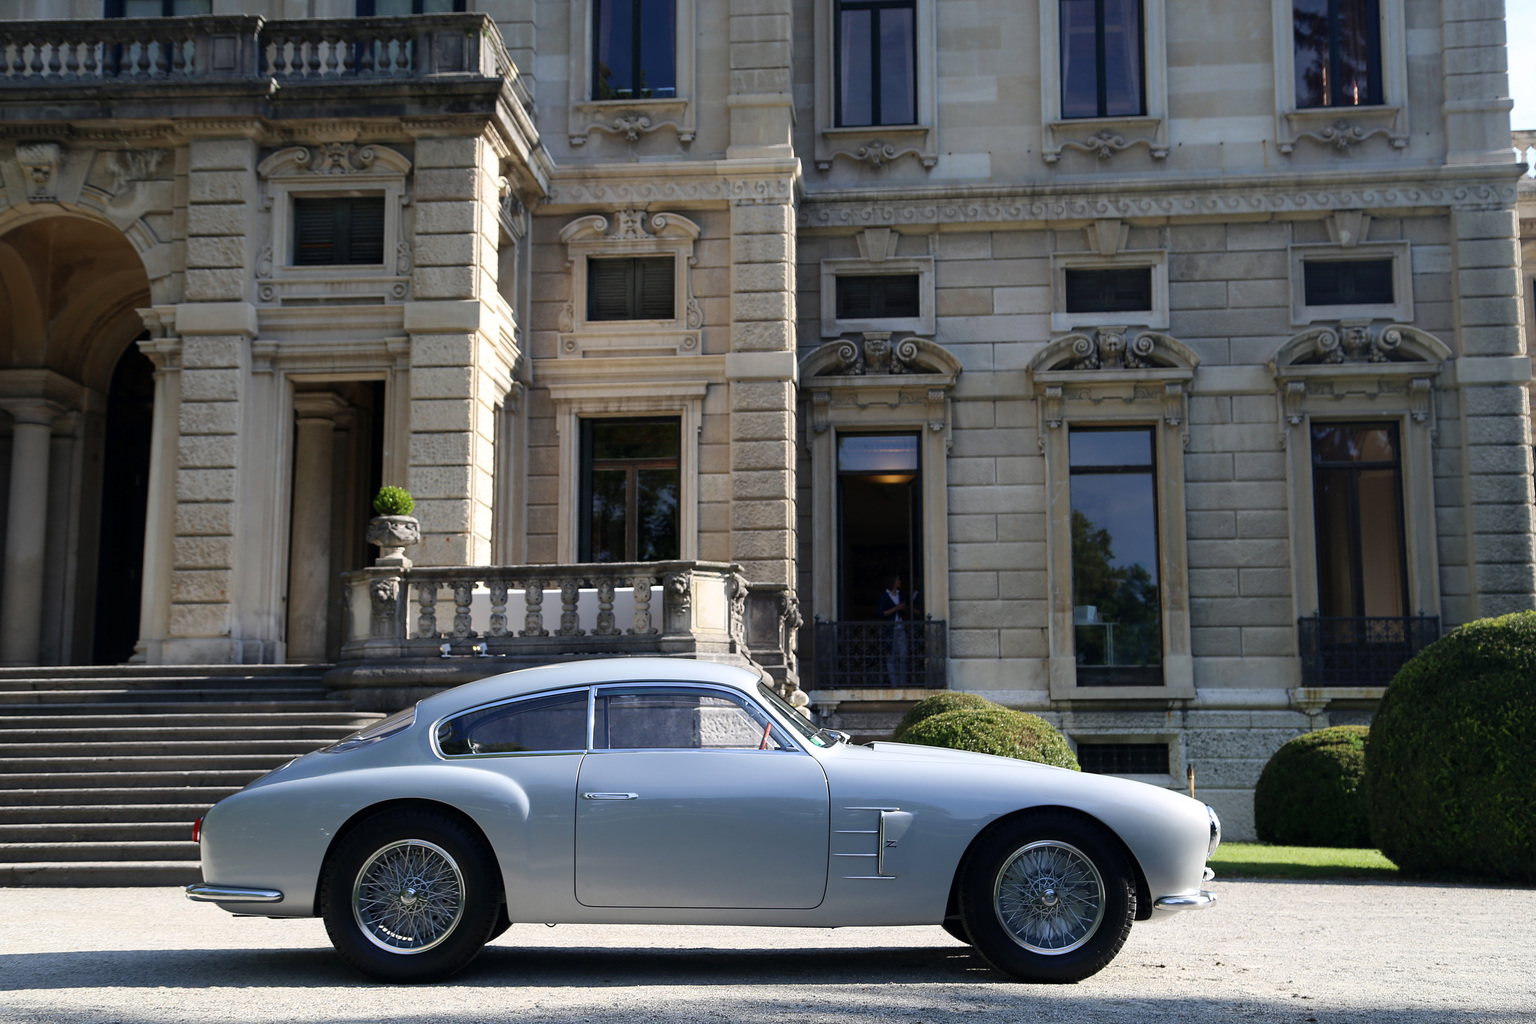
<point>201,893</point>
<point>1176,903</point>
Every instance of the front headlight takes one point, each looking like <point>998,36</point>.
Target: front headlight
<point>1215,831</point>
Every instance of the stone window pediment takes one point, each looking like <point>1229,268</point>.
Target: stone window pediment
<point>1112,348</point>
<point>630,234</point>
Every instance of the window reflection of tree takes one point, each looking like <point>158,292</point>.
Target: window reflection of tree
<point>1124,595</point>
<point>1337,52</point>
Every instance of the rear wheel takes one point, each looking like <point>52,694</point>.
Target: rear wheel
<point>410,895</point>
<point>1048,897</point>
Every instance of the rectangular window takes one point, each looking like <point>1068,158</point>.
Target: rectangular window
<point>1357,497</point>
<point>155,8</point>
<point>1101,67</point>
<point>631,288</point>
<point>634,44</point>
<point>629,490</point>
<point>1347,282</point>
<point>877,296</point>
<point>1115,290</point>
<point>1116,604</point>
<point>1337,53</point>
<point>876,62</point>
<point>1123,758</point>
<point>400,8</point>
<point>338,230</point>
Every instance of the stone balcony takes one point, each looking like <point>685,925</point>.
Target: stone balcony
<point>213,64</point>
<point>422,629</point>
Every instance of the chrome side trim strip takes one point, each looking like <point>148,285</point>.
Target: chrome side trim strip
<point>201,893</point>
<point>1204,898</point>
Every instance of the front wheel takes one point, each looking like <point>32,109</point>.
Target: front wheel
<point>410,896</point>
<point>1048,898</point>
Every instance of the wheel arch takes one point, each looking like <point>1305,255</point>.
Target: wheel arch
<point>1143,890</point>
<point>401,804</point>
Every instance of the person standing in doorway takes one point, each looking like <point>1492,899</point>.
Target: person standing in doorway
<point>893,612</point>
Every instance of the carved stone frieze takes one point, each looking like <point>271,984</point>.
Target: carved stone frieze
<point>1358,341</point>
<point>671,189</point>
<point>1109,349</point>
<point>1104,144</point>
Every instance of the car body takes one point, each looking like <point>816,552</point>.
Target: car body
<point>654,790</point>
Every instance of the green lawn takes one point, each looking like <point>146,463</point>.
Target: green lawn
<point>1258,860</point>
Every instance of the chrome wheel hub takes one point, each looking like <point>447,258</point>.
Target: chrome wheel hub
<point>1049,897</point>
<point>408,897</point>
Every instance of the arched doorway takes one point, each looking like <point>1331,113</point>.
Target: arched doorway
<point>125,499</point>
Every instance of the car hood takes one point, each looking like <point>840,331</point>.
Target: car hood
<point>916,752</point>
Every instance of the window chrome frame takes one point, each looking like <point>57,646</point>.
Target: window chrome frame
<point>439,722</point>
<point>789,744</point>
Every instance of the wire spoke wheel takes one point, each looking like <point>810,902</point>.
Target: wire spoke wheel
<point>1049,897</point>
<point>409,896</point>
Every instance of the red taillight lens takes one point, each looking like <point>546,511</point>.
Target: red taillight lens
<point>197,830</point>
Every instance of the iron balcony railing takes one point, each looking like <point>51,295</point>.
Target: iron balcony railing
<point>1361,651</point>
<point>886,655</point>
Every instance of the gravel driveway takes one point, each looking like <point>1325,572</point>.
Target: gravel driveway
<point>1269,951</point>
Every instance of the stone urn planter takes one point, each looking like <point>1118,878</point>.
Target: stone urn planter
<point>392,535</point>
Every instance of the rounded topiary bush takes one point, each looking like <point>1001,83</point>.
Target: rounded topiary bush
<point>937,705</point>
<point>995,730</point>
<point>1450,764</point>
<point>1309,792</point>
<point>393,501</point>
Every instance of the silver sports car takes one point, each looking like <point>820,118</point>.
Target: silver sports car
<point>651,790</point>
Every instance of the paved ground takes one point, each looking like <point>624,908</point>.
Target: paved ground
<point>1270,951</point>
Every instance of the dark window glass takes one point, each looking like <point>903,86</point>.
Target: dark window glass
<point>1116,290</point>
<point>337,230</point>
<point>876,62</point>
<point>1116,607</point>
<point>629,497</point>
<point>1101,72</point>
<point>631,288</point>
<point>556,722</point>
<point>1123,758</point>
<point>155,8</point>
<point>877,296</point>
<point>1358,505</point>
<point>655,718</point>
<point>399,8</point>
<point>1337,52</point>
<point>1347,282</point>
<point>634,49</point>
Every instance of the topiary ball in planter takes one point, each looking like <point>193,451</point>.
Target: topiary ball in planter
<point>1309,792</point>
<point>995,730</point>
<point>1450,773</point>
<point>937,705</point>
<point>394,528</point>
<point>393,501</point>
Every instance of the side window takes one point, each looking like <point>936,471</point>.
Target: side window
<point>656,717</point>
<point>1337,53</point>
<point>1101,66</point>
<point>557,722</point>
<point>338,231</point>
<point>634,44</point>
<point>876,62</point>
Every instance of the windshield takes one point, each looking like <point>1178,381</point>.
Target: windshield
<point>791,715</point>
<point>379,730</point>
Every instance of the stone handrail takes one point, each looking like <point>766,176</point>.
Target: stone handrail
<point>595,608</point>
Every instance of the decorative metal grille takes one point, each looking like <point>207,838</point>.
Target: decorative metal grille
<point>1361,651</point>
<point>1123,758</point>
<point>888,655</point>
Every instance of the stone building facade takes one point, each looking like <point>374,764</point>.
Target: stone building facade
<point>1170,352</point>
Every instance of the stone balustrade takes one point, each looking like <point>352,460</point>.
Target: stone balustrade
<point>227,48</point>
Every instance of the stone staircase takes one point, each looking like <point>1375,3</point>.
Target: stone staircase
<point>104,769</point>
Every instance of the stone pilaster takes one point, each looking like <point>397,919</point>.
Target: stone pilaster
<point>462,349</point>
<point>309,546</point>
<point>1493,371</point>
<point>21,599</point>
<point>1477,102</point>
<point>761,102</point>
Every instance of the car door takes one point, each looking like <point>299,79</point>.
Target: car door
<point>693,797</point>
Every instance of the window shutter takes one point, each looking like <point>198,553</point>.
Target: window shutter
<point>901,296</point>
<point>608,289</point>
<point>366,235</point>
<point>656,299</point>
<point>1115,290</point>
<point>314,232</point>
<point>855,298</point>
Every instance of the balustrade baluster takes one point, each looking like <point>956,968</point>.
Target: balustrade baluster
<point>54,46</point>
<point>312,59</point>
<point>163,49</point>
<point>179,60</point>
<point>348,57</point>
<point>570,618</point>
<point>463,594</point>
<point>146,58</point>
<point>605,627</point>
<point>405,55</point>
<point>426,600</point>
<point>332,44</point>
<point>365,57</point>
<point>72,59</point>
<point>533,598</point>
<point>92,66</point>
<point>498,625</point>
<point>642,585</point>
<point>37,59</point>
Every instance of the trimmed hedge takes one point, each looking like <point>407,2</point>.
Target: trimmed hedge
<point>1450,765</point>
<point>995,730</point>
<point>937,705</point>
<point>1309,792</point>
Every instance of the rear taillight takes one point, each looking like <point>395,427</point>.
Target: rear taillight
<point>197,830</point>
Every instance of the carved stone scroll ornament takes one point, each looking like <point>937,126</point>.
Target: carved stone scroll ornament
<point>1105,144</point>
<point>1351,341</point>
<point>338,158</point>
<point>1108,349</point>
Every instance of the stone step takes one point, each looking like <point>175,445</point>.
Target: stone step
<point>219,706</point>
<point>132,781</point>
<point>70,768</point>
<point>149,747</point>
<point>212,724</point>
<point>85,874</point>
<point>160,671</point>
<point>81,814</point>
<point>256,683</point>
<point>187,736</point>
<point>204,795</point>
<point>114,696</point>
<point>14,853</point>
<point>111,832</point>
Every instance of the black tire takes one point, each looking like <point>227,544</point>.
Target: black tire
<point>410,896</point>
<point>956,929</point>
<point>1048,897</point>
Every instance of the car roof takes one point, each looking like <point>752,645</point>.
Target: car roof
<point>586,672</point>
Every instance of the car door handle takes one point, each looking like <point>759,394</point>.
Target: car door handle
<point>610,796</point>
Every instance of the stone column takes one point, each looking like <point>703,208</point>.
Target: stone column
<point>21,600</point>
<point>160,530</point>
<point>309,545</point>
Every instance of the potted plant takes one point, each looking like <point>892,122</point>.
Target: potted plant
<point>393,528</point>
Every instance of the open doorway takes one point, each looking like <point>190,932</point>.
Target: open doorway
<point>880,500</point>
<point>125,501</point>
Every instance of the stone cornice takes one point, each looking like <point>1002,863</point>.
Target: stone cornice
<point>1257,196</point>
<point>678,183</point>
